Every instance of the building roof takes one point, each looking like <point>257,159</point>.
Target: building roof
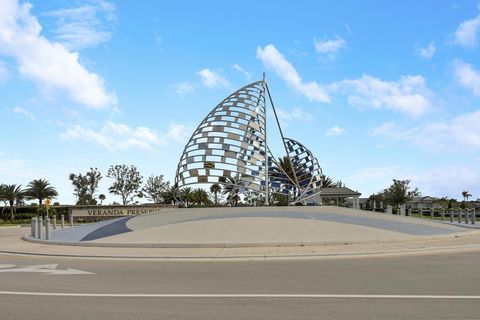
<point>423,199</point>
<point>338,192</point>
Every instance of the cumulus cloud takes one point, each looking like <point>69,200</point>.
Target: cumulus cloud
<point>212,79</point>
<point>296,115</point>
<point>273,59</point>
<point>462,133</point>
<point>85,26</point>
<point>329,47</point>
<point>247,74</point>
<point>467,76</point>
<point>24,113</point>
<point>335,131</point>
<point>427,52</point>
<point>409,94</point>
<point>48,63</point>
<point>467,32</point>
<point>117,136</point>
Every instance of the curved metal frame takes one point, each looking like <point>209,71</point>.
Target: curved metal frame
<point>229,147</point>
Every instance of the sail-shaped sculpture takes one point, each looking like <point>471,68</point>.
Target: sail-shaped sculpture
<point>229,147</point>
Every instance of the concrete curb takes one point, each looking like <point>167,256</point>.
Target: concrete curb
<point>348,255</point>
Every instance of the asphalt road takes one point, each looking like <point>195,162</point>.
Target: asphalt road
<point>402,288</point>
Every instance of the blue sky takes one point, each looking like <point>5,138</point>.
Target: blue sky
<point>376,89</point>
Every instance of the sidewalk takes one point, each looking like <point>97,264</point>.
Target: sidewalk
<point>11,242</point>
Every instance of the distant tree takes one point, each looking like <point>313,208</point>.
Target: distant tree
<point>127,182</point>
<point>93,177</point>
<point>327,182</point>
<point>399,193</point>
<point>101,197</point>
<point>40,189</point>
<point>13,194</point>
<point>443,202</point>
<point>200,197</point>
<point>85,186</point>
<point>339,184</point>
<point>215,189</point>
<point>466,195</point>
<point>155,187</point>
<point>169,195</point>
<point>3,198</point>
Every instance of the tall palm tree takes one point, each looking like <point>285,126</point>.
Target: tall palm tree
<point>13,194</point>
<point>215,189</point>
<point>40,189</point>
<point>466,195</point>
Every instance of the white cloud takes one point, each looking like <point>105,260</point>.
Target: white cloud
<point>409,94</point>
<point>273,59</point>
<point>48,63</point>
<point>428,51</point>
<point>247,74</point>
<point>178,133</point>
<point>296,115</point>
<point>329,47</point>
<point>24,113</point>
<point>466,33</point>
<point>459,134</point>
<point>467,76</point>
<point>117,136</point>
<point>85,26</point>
<point>212,79</point>
<point>184,88</point>
<point>335,131</point>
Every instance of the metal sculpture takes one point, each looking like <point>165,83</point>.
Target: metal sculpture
<point>230,148</point>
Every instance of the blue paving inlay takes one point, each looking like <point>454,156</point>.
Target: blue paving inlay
<point>92,231</point>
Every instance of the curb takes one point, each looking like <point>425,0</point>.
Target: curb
<point>379,254</point>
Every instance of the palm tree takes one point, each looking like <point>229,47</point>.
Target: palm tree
<point>186,195</point>
<point>200,197</point>
<point>101,197</point>
<point>327,182</point>
<point>40,189</point>
<point>2,198</point>
<point>466,195</point>
<point>13,194</point>
<point>215,189</point>
<point>231,188</point>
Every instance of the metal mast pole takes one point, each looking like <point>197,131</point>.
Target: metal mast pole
<point>267,187</point>
<point>283,138</point>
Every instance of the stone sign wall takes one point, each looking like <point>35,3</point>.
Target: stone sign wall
<point>113,211</point>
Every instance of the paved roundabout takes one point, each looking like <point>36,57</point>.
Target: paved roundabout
<point>244,227</point>
<point>289,232</point>
<point>352,265</point>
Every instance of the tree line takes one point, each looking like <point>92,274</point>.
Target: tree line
<point>13,195</point>
<point>400,192</point>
